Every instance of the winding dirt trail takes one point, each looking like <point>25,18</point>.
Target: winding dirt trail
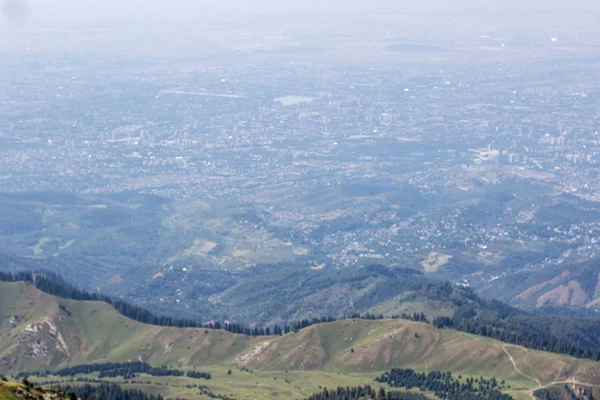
<point>572,381</point>
<point>539,386</point>
<point>514,363</point>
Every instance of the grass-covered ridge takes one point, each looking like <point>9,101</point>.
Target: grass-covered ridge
<point>39,331</point>
<point>475,315</point>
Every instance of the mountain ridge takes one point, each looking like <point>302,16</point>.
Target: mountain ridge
<point>39,331</point>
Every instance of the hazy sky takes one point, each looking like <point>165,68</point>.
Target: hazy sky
<point>338,4</point>
<point>175,8</point>
<point>130,21</point>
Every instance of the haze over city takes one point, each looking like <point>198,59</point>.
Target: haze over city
<point>311,200</point>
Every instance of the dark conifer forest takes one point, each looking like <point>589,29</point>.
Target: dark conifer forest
<point>124,370</point>
<point>445,386</point>
<point>364,393</point>
<point>107,391</point>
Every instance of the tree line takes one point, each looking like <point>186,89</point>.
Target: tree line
<point>105,391</point>
<point>128,370</point>
<point>53,284</point>
<point>445,386</point>
<point>364,393</point>
<point>519,331</point>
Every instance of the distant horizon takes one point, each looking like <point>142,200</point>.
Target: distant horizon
<point>183,9</point>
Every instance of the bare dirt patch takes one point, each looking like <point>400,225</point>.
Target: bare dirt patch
<point>435,261</point>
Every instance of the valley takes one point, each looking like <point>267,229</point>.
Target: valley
<point>208,259</point>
